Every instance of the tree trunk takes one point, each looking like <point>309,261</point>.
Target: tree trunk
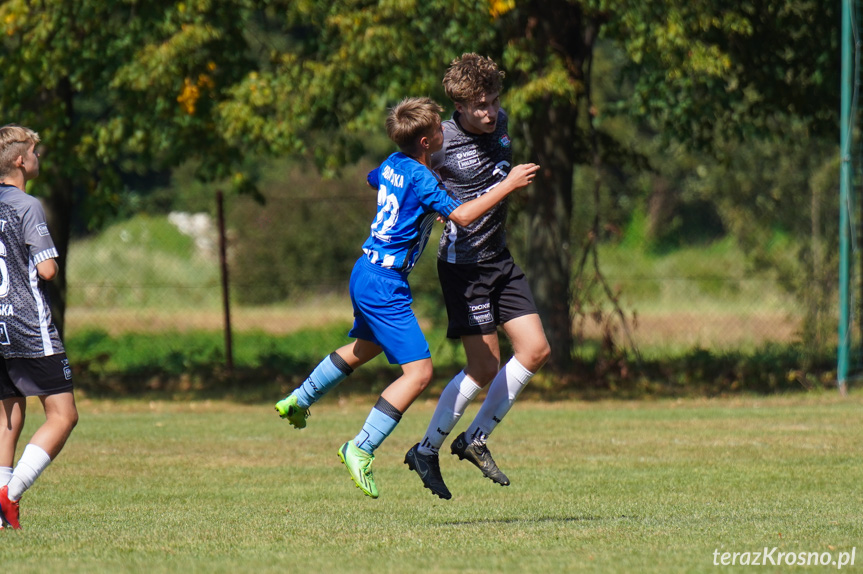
<point>548,261</point>
<point>554,29</point>
<point>660,206</point>
<point>58,210</point>
<point>59,203</point>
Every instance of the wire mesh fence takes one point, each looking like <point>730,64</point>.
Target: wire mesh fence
<point>160,274</point>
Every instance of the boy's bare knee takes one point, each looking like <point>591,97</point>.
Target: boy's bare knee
<point>535,357</point>
<point>66,419</point>
<point>425,379</point>
<point>544,354</point>
<point>419,375</point>
<point>483,371</point>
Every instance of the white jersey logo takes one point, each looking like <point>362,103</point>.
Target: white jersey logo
<point>501,169</point>
<point>4,272</point>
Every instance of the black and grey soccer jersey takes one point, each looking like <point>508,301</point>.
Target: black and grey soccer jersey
<point>470,165</point>
<point>26,328</point>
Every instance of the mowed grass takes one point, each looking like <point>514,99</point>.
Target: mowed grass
<point>596,487</point>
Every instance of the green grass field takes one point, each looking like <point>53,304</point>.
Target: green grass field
<point>651,486</point>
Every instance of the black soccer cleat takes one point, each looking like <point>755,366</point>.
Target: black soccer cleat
<point>480,457</point>
<point>428,467</point>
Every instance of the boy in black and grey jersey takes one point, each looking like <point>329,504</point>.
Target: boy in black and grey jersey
<point>482,286</point>
<point>32,359</point>
<point>471,164</point>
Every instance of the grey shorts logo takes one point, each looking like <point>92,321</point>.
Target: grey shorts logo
<point>4,335</point>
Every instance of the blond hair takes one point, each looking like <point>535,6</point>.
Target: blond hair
<point>411,119</point>
<point>470,77</point>
<point>14,142</point>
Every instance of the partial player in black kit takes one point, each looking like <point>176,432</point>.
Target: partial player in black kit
<point>32,358</point>
<point>483,287</point>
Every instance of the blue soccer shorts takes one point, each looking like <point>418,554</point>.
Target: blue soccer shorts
<point>383,315</point>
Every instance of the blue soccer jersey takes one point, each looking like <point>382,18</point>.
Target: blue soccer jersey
<point>409,198</point>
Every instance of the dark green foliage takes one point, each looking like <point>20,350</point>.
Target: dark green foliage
<point>192,364</point>
<point>124,92</point>
<point>694,222</point>
<point>697,373</point>
<point>705,70</point>
<point>305,236</point>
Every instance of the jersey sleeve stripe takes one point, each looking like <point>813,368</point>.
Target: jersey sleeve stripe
<point>45,255</point>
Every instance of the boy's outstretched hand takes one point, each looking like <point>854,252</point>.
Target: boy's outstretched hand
<point>522,174</point>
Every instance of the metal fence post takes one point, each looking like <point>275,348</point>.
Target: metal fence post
<point>226,299</point>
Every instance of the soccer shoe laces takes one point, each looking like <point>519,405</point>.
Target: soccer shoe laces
<point>485,456</point>
<point>434,463</point>
<point>305,412</point>
<point>366,466</point>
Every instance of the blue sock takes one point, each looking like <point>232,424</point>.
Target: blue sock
<point>381,422</point>
<point>329,373</point>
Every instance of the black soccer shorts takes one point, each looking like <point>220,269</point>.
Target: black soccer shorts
<point>35,377</point>
<point>481,296</point>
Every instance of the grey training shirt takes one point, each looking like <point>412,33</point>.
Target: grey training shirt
<point>26,328</point>
<point>471,164</point>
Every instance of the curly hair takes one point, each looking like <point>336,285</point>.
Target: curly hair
<point>470,76</point>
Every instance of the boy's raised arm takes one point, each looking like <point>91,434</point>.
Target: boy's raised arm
<point>520,176</point>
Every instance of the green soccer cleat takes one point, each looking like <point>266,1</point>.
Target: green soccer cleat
<point>289,409</point>
<point>359,464</point>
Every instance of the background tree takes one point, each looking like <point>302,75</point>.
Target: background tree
<point>118,89</point>
<point>752,86</point>
<point>122,89</point>
<point>704,71</point>
<point>350,60</point>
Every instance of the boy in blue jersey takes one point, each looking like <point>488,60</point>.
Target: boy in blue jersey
<point>410,197</point>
